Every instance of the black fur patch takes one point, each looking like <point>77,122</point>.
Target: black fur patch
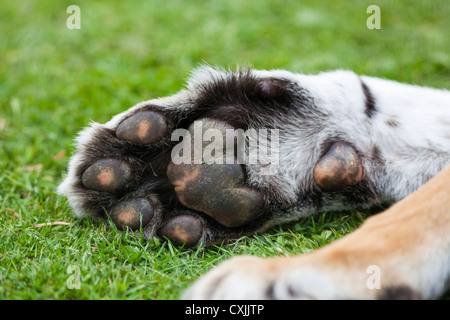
<point>240,98</point>
<point>370,100</point>
<point>270,291</point>
<point>243,100</point>
<point>399,293</point>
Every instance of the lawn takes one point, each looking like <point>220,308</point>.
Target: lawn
<point>54,81</point>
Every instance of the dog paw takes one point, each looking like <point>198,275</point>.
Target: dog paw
<point>125,172</point>
<point>222,159</point>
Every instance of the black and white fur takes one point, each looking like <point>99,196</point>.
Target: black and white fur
<point>401,133</point>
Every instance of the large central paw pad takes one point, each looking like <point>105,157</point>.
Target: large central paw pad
<point>217,189</point>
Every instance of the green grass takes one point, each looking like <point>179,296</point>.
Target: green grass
<point>54,81</point>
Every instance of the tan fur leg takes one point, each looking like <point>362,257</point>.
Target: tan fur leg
<point>403,252</point>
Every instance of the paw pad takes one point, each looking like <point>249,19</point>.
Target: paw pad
<point>132,214</point>
<point>183,230</point>
<point>107,175</point>
<point>338,168</point>
<point>216,189</point>
<point>142,128</point>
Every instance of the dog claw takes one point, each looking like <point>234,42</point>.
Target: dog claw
<point>216,189</point>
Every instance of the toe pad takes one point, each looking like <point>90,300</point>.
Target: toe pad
<point>107,175</point>
<point>183,230</point>
<point>142,128</point>
<point>132,213</point>
<point>338,168</point>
